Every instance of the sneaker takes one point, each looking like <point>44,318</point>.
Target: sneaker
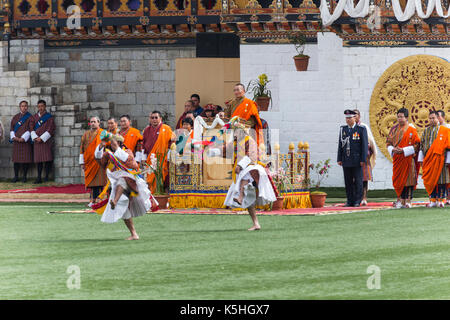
<point>15,180</point>
<point>364,203</point>
<point>441,204</point>
<point>408,206</point>
<point>432,204</point>
<point>398,205</point>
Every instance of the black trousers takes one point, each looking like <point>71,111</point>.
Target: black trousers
<point>353,177</point>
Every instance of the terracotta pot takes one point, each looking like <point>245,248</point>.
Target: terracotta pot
<point>278,204</point>
<point>318,200</point>
<point>301,63</point>
<point>163,200</point>
<point>263,103</point>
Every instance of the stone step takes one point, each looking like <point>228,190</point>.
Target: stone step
<point>43,93</point>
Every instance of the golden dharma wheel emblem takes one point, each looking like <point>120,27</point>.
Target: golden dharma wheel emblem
<point>420,83</point>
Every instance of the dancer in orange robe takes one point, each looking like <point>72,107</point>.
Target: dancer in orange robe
<point>403,144</point>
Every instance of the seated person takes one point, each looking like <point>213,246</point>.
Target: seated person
<point>220,112</point>
<point>188,107</point>
<point>189,115</point>
<point>185,138</point>
<point>209,112</point>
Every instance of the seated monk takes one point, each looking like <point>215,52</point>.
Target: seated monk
<point>188,107</point>
<point>246,110</point>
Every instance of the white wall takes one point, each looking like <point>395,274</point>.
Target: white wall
<point>272,59</point>
<point>309,105</point>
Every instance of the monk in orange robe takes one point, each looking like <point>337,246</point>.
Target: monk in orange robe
<point>403,143</point>
<point>157,138</point>
<point>434,143</point>
<point>246,110</point>
<point>94,174</point>
<point>132,137</point>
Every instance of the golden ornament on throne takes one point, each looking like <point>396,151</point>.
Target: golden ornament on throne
<point>420,83</point>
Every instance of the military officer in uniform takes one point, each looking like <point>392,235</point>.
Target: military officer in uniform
<point>352,154</point>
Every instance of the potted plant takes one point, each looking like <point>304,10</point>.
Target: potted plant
<point>301,60</point>
<point>157,167</point>
<point>283,184</point>
<point>321,171</point>
<point>261,95</point>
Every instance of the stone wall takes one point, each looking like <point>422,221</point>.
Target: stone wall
<point>311,103</point>
<point>71,104</point>
<point>136,80</point>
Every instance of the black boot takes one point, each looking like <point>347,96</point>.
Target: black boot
<point>25,172</point>
<point>16,173</point>
<point>48,167</point>
<point>39,168</point>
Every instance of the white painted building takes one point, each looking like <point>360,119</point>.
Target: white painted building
<point>308,106</point>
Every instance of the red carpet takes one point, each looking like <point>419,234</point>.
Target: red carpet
<point>71,189</point>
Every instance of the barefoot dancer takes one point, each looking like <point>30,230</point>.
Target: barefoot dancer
<point>130,196</point>
<point>252,187</point>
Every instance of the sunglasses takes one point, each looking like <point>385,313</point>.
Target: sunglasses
<point>154,117</point>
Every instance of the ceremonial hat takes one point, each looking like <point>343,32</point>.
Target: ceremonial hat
<point>117,137</point>
<point>245,161</point>
<point>349,113</point>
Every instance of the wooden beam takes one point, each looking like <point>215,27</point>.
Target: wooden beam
<point>396,28</point>
<point>256,26</point>
<point>243,27</point>
<point>348,28</point>
<point>185,28</point>
<point>426,27</point>
<point>286,26</point>
<point>226,27</point>
<point>199,28</point>
<point>271,26</point>
<point>301,25</point>
<point>441,28</point>
<point>155,28</point>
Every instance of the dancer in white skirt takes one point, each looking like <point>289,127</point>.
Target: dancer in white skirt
<point>252,188</point>
<point>130,196</point>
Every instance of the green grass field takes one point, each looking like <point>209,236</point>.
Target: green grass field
<point>214,257</point>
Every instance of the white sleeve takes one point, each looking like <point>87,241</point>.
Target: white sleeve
<point>26,136</point>
<point>447,157</point>
<point>420,158</point>
<point>45,136</point>
<point>12,135</point>
<point>121,154</point>
<point>138,157</point>
<point>33,135</point>
<point>143,156</point>
<point>98,153</point>
<point>390,148</point>
<point>81,161</point>
<point>408,151</point>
